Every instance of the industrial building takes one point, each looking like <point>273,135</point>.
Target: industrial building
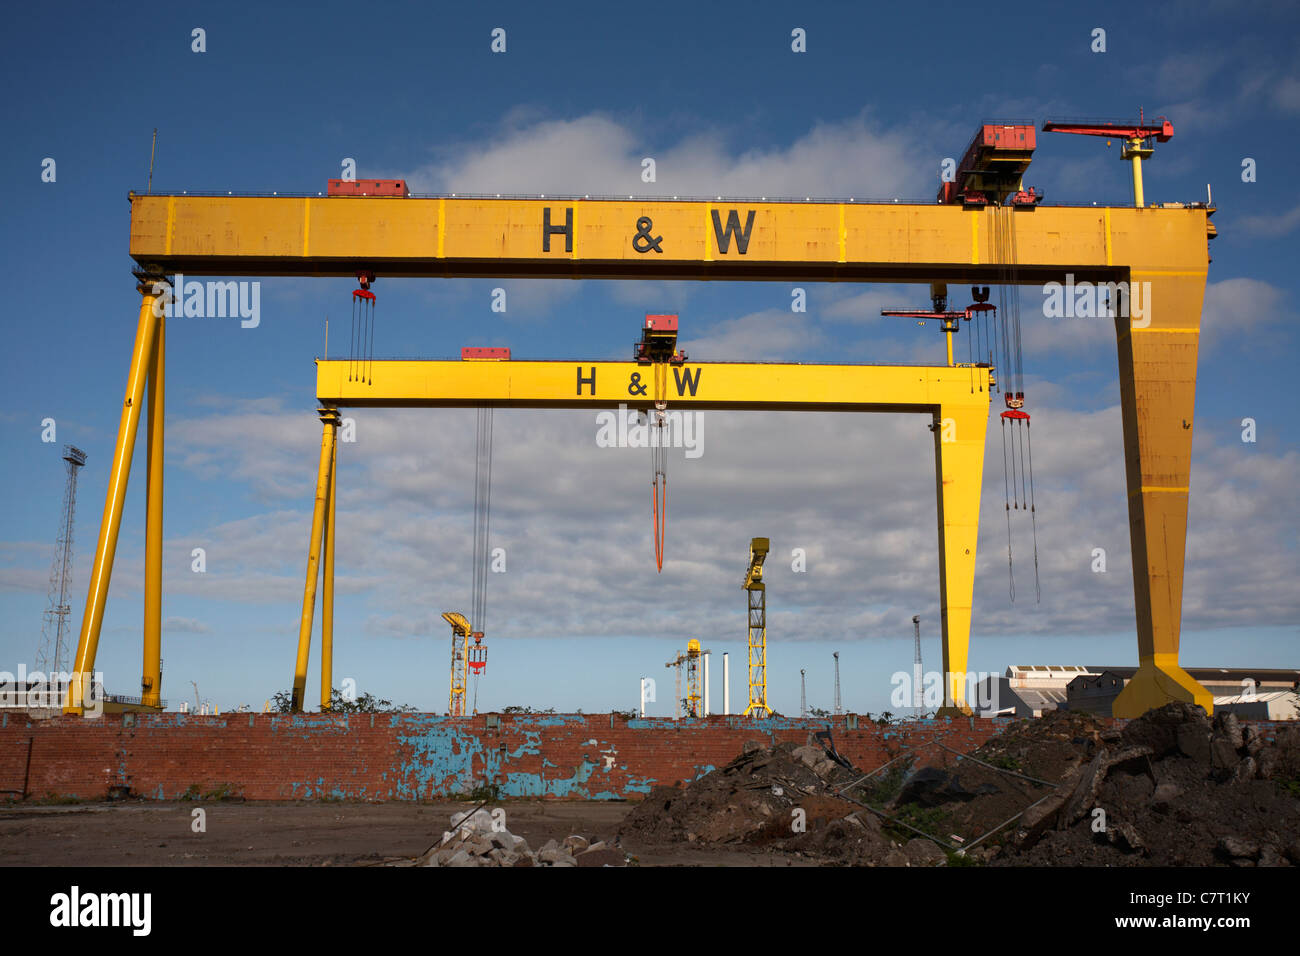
<point>1032,690</point>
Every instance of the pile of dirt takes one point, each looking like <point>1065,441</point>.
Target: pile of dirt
<point>1173,788</point>
<point>1047,747</point>
<point>783,800</point>
<point>750,800</point>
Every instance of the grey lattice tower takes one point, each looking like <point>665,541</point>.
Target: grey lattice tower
<point>54,629</point>
<point>917,673</point>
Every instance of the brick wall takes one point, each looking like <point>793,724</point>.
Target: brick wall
<point>416,756</point>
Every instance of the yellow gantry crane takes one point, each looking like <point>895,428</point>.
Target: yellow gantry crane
<point>1165,249</point>
<point>756,601</point>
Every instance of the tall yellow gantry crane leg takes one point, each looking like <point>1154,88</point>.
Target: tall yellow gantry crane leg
<point>322,538</point>
<point>147,361</point>
<point>1161,251</point>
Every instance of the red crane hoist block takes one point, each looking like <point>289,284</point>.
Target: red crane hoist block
<point>484,354</point>
<point>661,323</point>
<point>658,341</point>
<point>991,168</point>
<point>368,187</point>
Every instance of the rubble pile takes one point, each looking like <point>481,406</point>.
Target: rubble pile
<point>476,839</point>
<point>750,800</point>
<point>753,800</point>
<point>1173,788</point>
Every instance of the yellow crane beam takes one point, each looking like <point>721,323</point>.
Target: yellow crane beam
<point>600,239</point>
<point>420,383</point>
<point>1161,251</point>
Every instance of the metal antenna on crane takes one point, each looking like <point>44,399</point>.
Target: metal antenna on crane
<point>838,708</point>
<point>917,673</point>
<point>55,624</point>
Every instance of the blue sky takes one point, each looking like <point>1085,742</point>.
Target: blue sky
<point>583,93</point>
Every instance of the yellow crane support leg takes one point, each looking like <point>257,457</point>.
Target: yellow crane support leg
<point>959,432</point>
<point>1157,380</point>
<point>327,592</point>
<point>102,569</point>
<point>329,419</point>
<point>151,675</point>
<point>1135,154</point>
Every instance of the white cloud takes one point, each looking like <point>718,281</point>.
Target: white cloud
<point>856,491</point>
<point>185,625</point>
<point>767,336</point>
<point>1234,307</point>
<point>1268,226</point>
<point>598,155</point>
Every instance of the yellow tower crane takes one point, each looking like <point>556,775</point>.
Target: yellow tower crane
<point>694,683</point>
<point>676,663</point>
<point>757,602</point>
<point>692,661</point>
<point>460,632</point>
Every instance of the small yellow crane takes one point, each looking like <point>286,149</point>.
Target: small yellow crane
<point>757,603</point>
<point>460,634</point>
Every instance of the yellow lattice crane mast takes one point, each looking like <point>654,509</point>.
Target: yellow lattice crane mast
<point>460,633</point>
<point>694,683</point>
<point>757,602</point>
<point>692,705</point>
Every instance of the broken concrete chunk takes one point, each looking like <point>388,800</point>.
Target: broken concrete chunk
<point>1252,739</point>
<point>1194,742</point>
<point>1237,848</point>
<point>1269,855</point>
<point>479,821</point>
<point>1229,726</point>
<point>604,856</point>
<point>1223,754</point>
<point>554,854</point>
<point>1126,837</point>
<point>1246,770</point>
<point>922,852</point>
<point>1164,797</point>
